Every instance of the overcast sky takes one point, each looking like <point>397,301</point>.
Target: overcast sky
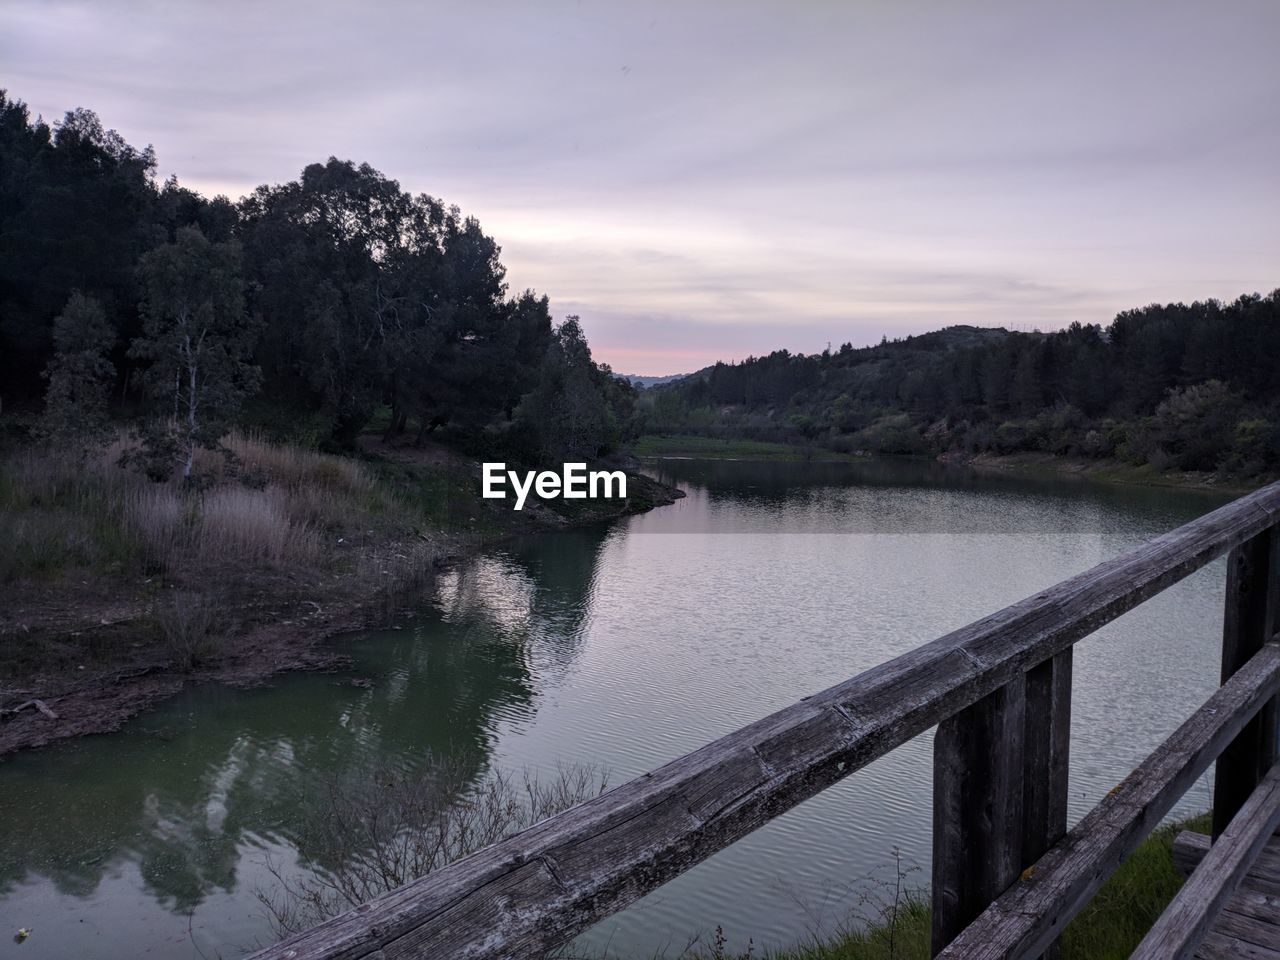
<point>704,180</point>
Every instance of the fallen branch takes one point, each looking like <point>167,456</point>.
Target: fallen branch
<point>38,704</point>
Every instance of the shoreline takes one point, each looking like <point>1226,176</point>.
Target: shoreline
<point>1099,471</point>
<point>1027,464</point>
<point>692,447</point>
<point>98,664</point>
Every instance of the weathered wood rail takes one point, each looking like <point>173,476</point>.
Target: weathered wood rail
<point>999,692</point>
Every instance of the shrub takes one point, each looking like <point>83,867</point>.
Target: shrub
<point>1255,446</point>
<point>384,826</point>
<point>1194,425</point>
<point>1094,444</point>
<point>188,625</point>
<point>891,434</point>
<point>1010,437</point>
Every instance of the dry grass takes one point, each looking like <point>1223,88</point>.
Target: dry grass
<point>155,516</point>
<point>406,567</point>
<point>254,529</point>
<point>265,505</point>
<point>259,462</point>
<point>244,525</point>
<point>36,542</point>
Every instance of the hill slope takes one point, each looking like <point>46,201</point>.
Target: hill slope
<point>1190,387</point>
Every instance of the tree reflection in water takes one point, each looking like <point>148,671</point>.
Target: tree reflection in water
<point>198,794</point>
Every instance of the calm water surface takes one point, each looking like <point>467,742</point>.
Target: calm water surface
<point>626,646</point>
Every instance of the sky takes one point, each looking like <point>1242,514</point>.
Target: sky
<point>705,181</point>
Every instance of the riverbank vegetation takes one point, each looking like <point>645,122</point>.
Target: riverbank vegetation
<point>897,927</point>
<point>1171,388</point>
<point>698,447</point>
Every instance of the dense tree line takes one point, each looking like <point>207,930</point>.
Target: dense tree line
<point>309,309</point>
<point>1192,387</point>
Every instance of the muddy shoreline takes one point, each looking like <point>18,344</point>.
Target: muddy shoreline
<point>99,697</point>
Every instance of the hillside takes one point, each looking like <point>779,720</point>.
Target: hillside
<point>1188,387</point>
<point>636,380</point>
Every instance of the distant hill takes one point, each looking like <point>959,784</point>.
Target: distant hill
<point>1182,386</point>
<point>645,382</point>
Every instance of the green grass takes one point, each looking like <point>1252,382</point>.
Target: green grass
<point>1125,908</point>
<point>442,497</point>
<point>53,524</point>
<point>736,449</point>
<point>1109,928</point>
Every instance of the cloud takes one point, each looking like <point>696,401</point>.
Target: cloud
<point>714,179</point>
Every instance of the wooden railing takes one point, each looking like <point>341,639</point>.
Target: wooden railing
<point>1007,876</point>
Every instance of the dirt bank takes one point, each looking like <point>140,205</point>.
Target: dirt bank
<point>95,671</point>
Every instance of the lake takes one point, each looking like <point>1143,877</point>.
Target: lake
<point>622,646</point>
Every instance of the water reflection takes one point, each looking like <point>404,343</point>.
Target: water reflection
<point>177,809</point>
<point>623,645</point>
<point>900,496</point>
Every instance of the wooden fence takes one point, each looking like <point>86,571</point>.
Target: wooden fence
<point>1007,875</point>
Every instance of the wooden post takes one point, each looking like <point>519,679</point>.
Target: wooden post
<point>1249,620</point>
<point>1046,760</point>
<point>977,808</point>
<point>1047,756</point>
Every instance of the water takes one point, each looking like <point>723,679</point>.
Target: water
<point>625,645</point>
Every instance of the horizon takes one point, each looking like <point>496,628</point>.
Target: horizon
<point>701,185</point>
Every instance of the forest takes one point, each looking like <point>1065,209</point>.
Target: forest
<point>338,304</point>
<point>1177,387</point>
<point>309,312</point>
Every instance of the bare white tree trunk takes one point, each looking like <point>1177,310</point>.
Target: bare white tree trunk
<point>191,412</point>
<point>189,353</point>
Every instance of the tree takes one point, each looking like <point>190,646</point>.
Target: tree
<point>1194,425</point>
<point>483,347</point>
<point>576,414</point>
<point>80,376</point>
<point>1026,395</point>
<point>199,342</point>
<point>76,206</point>
<point>566,416</point>
<point>346,267</point>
